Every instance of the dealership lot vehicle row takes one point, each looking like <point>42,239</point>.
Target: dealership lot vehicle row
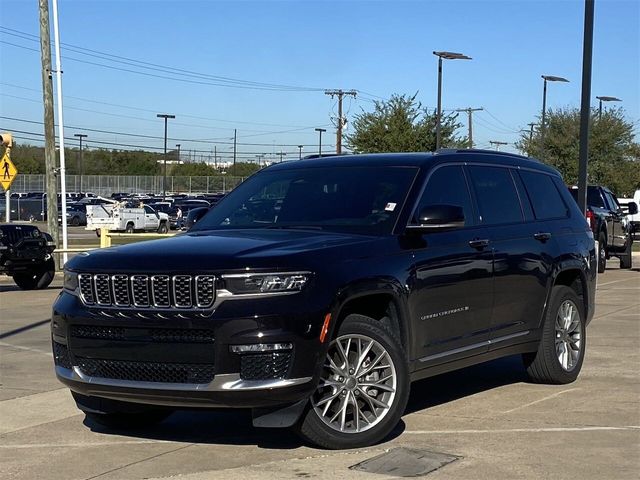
<point>495,423</point>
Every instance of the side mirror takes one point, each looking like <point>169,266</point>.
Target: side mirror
<point>633,208</point>
<point>437,218</point>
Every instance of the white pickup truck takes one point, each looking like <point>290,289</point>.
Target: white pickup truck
<point>117,217</point>
<point>634,219</point>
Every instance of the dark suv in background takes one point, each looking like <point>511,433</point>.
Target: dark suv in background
<point>318,290</point>
<point>610,225</point>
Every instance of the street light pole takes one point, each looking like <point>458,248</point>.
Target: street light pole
<point>178,147</point>
<point>80,163</point>
<point>447,56</point>
<point>605,99</point>
<point>320,130</point>
<point>164,178</point>
<point>547,78</point>
<point>300,152</point>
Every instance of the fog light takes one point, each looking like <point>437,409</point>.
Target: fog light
<point>261,347</point>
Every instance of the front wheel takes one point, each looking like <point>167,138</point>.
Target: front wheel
<point>562,346</point>
<point>602,253</point>
<point>38,278</point>
<point>163,228</point>
<point>363,389</point>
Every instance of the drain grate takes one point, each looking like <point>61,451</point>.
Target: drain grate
<point>405,462</point>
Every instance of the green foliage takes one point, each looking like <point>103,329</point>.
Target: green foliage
<point>401,124</point>
<point>199,169</point>
<point>614,156</point>
<point>28,159</point>
<point>242,169</point>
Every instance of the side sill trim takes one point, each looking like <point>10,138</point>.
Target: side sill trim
<point>221,383</point>
<point>473,346</point>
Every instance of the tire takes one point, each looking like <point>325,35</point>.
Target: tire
<point>129,228</point>
<point>602,253</point>
<point>98,232</point>
<point>36,279</point>
<point>545,365</point>
<point>322,424</point>
<point>163,228</point>
<point>626,259</point>
<point>75,221</point>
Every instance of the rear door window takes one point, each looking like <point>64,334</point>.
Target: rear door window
<point>496,194</point>
<point>544,196</point>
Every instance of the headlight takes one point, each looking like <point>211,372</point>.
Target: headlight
<point>70,282</point>
<point>265,283</point>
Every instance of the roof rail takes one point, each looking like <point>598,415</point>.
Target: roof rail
<point>483,151</point>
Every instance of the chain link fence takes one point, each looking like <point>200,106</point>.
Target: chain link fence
<point>105,185</point>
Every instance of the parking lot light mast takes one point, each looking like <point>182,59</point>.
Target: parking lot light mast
<point>164,178</point>
<point>605,99</point>
<point>320,130</point>
<point>300,152</point>
<point>80,163</point>
<point>178,147</point>
<point>547,78</point>
<point>447,56</point>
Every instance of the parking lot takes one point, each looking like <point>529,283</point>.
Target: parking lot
<point>494,423</point>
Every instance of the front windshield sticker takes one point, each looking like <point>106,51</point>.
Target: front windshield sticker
<point>390,207</point>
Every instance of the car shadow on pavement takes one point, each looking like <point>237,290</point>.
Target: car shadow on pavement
<point>15,288</point>
<point>468,381</point>
<point>221,427</point>
<point>234,427</point>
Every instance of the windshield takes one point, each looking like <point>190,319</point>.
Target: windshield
<point>364,200</point>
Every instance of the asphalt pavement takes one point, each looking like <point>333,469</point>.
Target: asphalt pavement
<point>486,420</point>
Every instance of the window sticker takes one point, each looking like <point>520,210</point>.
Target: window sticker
<point>390,207</point>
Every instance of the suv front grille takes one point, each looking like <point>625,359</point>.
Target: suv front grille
<point>144,291</point>
<point>147,371</point>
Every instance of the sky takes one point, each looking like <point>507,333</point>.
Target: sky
<point>214,65</point>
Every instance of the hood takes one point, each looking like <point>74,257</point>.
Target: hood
<point>215,251</point>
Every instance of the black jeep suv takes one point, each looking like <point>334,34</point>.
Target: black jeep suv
<point>318,290</point>
<point>25,254</point>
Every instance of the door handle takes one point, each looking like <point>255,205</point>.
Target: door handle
<point>542,236</point>
<point>479,243</point>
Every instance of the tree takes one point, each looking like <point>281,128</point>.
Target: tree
<point>614,156</point>
<point>401,124</point>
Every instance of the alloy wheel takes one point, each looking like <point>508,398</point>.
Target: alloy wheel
<point>358,384</point>
<point>568,335</point>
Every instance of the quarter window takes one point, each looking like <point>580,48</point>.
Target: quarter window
<point>497,197</point>
<point>447,186</point>
<point>545,198</point>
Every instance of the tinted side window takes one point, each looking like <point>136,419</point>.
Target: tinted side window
<point>148,210</point>
<point>447,186</point>
<point>611,200</point>
<point>545,198</point>
<point>497,197</point>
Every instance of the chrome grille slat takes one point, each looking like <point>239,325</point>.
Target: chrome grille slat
<point>182,291</point>
<point>160,286</point>
<point>144,291</point>
<point>102,288</point>
<point>140,290</point>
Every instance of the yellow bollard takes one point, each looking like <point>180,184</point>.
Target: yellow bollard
<point>105,239</point>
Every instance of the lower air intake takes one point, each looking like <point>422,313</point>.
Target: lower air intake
<point>265,366</point>
<point>147,371</point>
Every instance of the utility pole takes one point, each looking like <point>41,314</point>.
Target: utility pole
<point>164,179</point>
<point>341,120</point>
<point>80,164</point>
<point>49,128</point>
<point>281,153</point>
<point>235,138</point>
<point>497,144</point>
<point>300,152</point>
<point>531,125</point>
<point>320,130</point>
<point>178,147</point>
<point>215,156</point>
<point>470,111</point>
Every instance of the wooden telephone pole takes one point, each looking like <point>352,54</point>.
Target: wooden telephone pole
<point>49,129</point>
<point>341,120</point>
<point>470,114</point>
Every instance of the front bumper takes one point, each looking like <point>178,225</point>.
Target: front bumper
<point>112,340</point>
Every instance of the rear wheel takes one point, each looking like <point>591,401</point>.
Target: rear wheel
<point>602,253</point>
<point>163,228</point>
<point>562,346</point>
<point>363,390</point>
<point>75,221</point>
<point>38,278</point>
<point>626,259</point>
<point>129,228</point>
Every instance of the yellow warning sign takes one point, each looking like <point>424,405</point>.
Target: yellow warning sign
<point>8,172</point>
